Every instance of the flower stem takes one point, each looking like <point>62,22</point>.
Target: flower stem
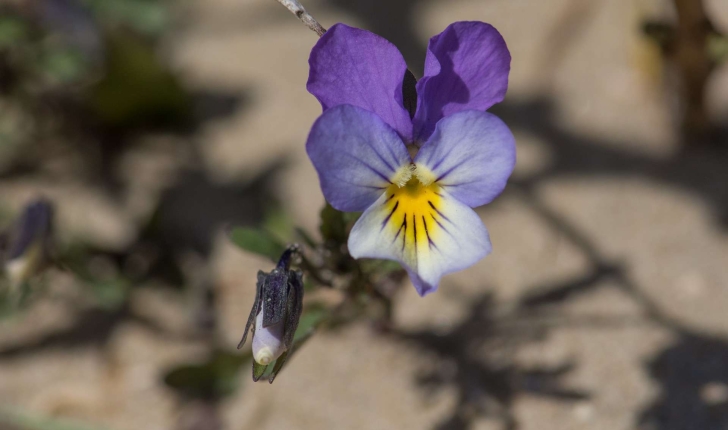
<point>297,9</point>
<point>694,29</point>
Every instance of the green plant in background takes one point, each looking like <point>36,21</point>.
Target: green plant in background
<point>25,251</point>
<point>696,47</point>
<point>146,17</point>
<point>213,379</point>
<point>28,248</point>
<point>68,64</point>
<point>15,419</point>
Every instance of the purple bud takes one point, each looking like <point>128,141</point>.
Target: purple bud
<point>27,242</point>
<point>275,314</point>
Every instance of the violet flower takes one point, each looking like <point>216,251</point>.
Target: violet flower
<point>417,209</point>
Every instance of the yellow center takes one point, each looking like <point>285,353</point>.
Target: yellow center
<point>413,215</point>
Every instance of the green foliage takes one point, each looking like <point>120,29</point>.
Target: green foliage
<point>110,290</point>
<point>19,420</point>
<point>381,267</point>
<point>278,223</point>
<point>258,241</point>
<point>216,378</point>
<point>110,293</point>
<point>12,32</point>
<point>718,48</point>
<point>335,225</point>
<point>259,370</point>
<point>147,17</point>
<point>313,316</point>
<point>137,89</point>
<point>64,65</point>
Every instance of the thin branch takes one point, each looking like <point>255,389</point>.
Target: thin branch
<point>694,30</point>
<point>297,9</point>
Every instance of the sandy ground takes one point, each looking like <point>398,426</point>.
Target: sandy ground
<point>601,307</point>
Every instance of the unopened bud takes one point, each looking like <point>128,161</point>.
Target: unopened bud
<point>275,314</point>
<point>27,243</point>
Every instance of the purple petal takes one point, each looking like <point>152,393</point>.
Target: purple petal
<point>431,235</point>
<point>471,154</point>
<point>466,68</point>
<point>356,155</point>
<point>357,67</point>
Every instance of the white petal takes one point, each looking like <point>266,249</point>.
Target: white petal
<point>426,229</point>
<point>267,341</point>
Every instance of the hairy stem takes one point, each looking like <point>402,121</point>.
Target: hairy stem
<point>297,9</point>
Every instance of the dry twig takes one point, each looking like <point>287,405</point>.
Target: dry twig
<point>297,9</point>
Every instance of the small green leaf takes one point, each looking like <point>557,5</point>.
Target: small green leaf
<point>111,293</point>
<point>147,17</point>
<point>64,66</point>
<point>351,217</point>
<point>278,223</point>
<point>12,32</point>
<point>259,370</point>
<point>311,318</point>
<point>138,88</point>
<point>718,48</point>
<point>376,266</point>
<point>258,242</point>
<point>213,379</point>
<point>333,226</point>
<point>277,366</point>
<point>313,315</point>
<point>308,284</point>
<point>15,418</point>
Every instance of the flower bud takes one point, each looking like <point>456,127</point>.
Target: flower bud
<point>26,247</point>
<point>275,314</point>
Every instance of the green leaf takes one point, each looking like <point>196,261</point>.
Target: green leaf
<point>137,88</point>
<point>146,17</point>
<point>111,293</point>
<point>333,225</point>
<point>213,379</point>
<point>312,317</point>
<point>259,370</point>
<point>271,374</point>
<point>718,48</point>
<point>12,32</point>
<point>351,217</point>
<point>308,284</point>
<point>258,242</point>
<point>64,66</point>
<point>278,223</point>
<point>377,266</point>
<point>14,418</point>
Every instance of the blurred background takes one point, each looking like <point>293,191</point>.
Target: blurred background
<point>147,128</point>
